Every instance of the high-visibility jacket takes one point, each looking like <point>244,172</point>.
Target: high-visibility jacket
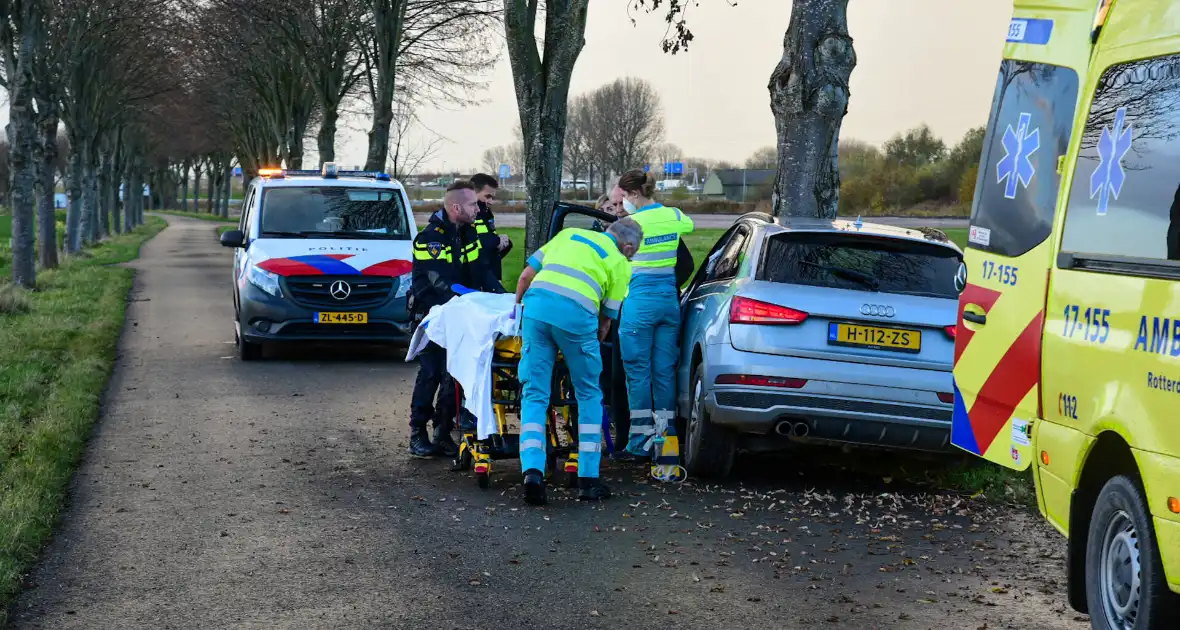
<point>447,254</point>
<point>662,228</point>
<point>585,267</point>
<point>489,240</point>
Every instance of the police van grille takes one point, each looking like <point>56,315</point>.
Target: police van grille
<point>316,291</point>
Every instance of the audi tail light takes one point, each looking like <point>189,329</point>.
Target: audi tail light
<point>746,311</point>
<point>947,397</point>
<point>951,331</point>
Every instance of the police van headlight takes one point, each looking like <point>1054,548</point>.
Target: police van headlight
<point>403,285</point>
<point>264,280</point>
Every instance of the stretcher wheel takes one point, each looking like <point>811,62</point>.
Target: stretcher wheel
<point>461,462</point>
<point>484,480</point>
<point>571,479</point>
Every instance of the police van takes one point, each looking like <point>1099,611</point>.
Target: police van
<point>321,256</point>
<point>1068,352</point>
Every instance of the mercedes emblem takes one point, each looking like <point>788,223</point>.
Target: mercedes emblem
<point>340,290</point>
<point>961,278</point>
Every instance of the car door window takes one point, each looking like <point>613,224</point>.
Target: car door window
<point>730,259</point>
<point>247,213</point>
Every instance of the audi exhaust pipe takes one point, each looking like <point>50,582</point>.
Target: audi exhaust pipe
<point>800,429</point>
<point>783,428</point>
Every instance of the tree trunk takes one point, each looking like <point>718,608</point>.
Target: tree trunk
<point>326,138</point>
<point>197,188</point>
<point>46,206</point>
<point>106,174</point>
<point>542,84</point>
<point>184,187</point>
<point>209,193</point>
<point>23,137</point>
<point>90,199</point>
<point>388,18</point>
<point>227,175</point>
<point>75,215</point>
<point>809,97</point>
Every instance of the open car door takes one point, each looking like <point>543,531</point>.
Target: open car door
<point>614,383</point>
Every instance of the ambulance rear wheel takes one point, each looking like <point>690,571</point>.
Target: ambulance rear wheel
<point>484,480</point>
<point>1125,586</point>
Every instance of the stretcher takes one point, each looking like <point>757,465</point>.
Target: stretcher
<point>561,422</point>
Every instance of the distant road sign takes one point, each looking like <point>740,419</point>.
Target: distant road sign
<point>505,171</point>
<point>647,168</point>
<point>237,171</point>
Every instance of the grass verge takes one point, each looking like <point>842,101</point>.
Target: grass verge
<point>58,355</point>
<point>204,216</point>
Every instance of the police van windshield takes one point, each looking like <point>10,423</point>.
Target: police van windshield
<point>859,263</point>
<point>1016,194</point>
<point>334,212</point>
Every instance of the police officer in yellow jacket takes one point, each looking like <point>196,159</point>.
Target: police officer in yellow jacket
<point>494,246</point>
<point>571,290</point>
<point>649,328</point>
<point>446,253</point>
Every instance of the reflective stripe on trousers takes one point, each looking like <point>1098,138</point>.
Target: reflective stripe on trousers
<point>648,331</point>
<point>541,341</point>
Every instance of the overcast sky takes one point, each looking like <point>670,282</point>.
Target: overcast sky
<point>932,61</point>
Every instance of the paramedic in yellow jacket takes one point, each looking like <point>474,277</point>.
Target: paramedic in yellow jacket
<point>571,290</point>
<point>649,329</point>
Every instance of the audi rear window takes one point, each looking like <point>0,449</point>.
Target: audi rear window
<point>861,263</point>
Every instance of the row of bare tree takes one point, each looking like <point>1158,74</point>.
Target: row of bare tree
<point>170,92</point>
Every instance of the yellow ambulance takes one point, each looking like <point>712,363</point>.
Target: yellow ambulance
<point>1067,354</point>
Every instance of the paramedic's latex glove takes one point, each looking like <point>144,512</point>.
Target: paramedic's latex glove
<point>461,290</point>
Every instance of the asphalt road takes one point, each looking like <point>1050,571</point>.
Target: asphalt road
<point>278,494</point>
<point>721,221</point>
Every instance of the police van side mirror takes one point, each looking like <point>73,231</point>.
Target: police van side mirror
<point>233,238</point>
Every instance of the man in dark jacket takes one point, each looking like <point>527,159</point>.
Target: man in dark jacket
<point>495,245</point>
<point>447,252</point>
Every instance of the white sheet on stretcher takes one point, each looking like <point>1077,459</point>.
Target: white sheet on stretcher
<point>468,327</point>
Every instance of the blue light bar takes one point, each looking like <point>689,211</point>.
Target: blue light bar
<point>377,175</point>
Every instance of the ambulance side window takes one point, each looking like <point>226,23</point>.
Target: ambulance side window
<point>1031,120</point>
<point>1125,198</point>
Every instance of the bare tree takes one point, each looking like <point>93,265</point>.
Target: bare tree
<point>21,35</point>
<point>576,153</point>
<point>495,156</point>
<point>632,119</point>
<point>432,47</point>
<point>666,152</point>
<point>808,97</point>
<point>542,80</point>
<point>764,158</point>
<point>405,158</point>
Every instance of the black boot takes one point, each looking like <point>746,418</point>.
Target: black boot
<point>534,487</point>
<point>444,444</point>
<point>592,489</point>
<point>420,445</point>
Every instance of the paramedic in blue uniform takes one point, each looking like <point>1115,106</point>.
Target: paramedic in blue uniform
<point>495,246</point>
<point>649,327</point>
<point>446,253</point>
<point>571,291</point>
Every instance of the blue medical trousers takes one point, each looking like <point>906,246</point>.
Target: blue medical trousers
<point>541,341</point>
<point>649,328</point>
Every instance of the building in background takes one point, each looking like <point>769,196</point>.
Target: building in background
<point>739,184</point>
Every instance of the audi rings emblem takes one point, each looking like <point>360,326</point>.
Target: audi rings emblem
<point>340,290</point>
<point>961,278</point>
<point>877,310</point>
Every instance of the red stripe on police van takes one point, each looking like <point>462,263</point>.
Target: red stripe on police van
<point>289,267</point>
<point>1013,377</point>
<point>392,268</point>
<point>972,294</point>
